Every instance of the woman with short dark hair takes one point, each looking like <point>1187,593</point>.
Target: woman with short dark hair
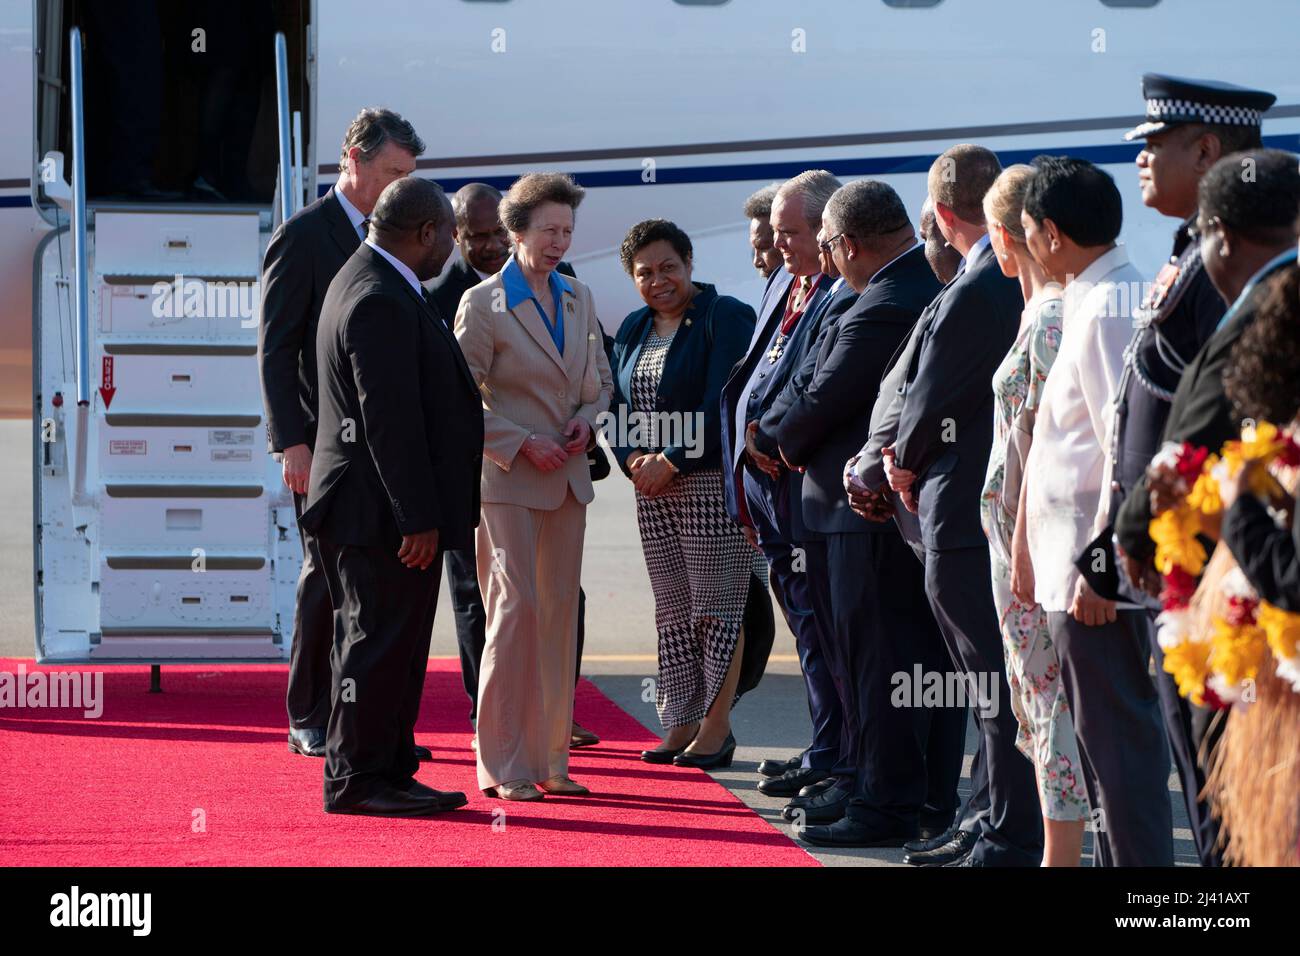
<point>535,347</point>
<point>670,360</point>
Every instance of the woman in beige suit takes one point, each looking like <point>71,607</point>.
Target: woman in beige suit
<point>534,345</point>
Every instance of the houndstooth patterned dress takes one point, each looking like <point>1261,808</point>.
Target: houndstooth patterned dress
<point>699,564</point>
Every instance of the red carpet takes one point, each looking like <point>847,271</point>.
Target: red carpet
<point>200,775</point>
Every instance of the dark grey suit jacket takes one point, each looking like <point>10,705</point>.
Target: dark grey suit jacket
<point>303,257</point>
<point>825,412</point>
<point>400,445</point>
<point>945,426</point>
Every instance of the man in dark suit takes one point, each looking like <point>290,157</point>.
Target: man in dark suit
<point>484,247</point>
<point>937,467</point>
<point>942,729</point>
<point>867,584</point>
<point>809,547</point>
<point>394,482</point>
<point>756,486</point>
<point>483,242</point>
<point>303,257</point>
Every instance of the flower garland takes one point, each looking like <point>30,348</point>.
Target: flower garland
<point>1212,669</point>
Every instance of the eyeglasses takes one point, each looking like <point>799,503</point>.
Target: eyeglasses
<point>829,244</point>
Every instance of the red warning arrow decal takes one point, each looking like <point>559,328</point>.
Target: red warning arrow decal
<point>106,389</point>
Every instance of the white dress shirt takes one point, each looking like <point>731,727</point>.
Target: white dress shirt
<point>401,267</point>
<point>975,250</point>
<point>1065,504</point>
<point>354,214</point>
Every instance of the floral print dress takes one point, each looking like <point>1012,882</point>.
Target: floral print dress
<point>1046,731</point>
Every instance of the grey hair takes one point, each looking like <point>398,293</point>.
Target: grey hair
<point>461,199</point>
<point>866,210</point>
<point>815,187</point>
<point>927,212</point>
<point>759,205</point>
<point>409,203</point>
<point>373,128</point>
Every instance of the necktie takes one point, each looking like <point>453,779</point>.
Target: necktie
<point>794,308</point>
<point>364,228</point>
<point>797,303</point>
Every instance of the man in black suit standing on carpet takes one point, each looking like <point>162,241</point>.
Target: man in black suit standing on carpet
<point>394,482</point>
<point>484,248</point>
<point>301,260</point>
<point>937,467</point>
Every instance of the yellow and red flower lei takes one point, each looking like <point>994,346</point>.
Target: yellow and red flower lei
<point>1213,669</point>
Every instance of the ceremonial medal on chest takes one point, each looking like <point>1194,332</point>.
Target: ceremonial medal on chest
<point>1165,281</point>
<point>777,349</point>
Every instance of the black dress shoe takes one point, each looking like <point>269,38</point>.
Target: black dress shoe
<point>812,790</point>
<point>846,832</point>
<point>446,799</point>
<point>931,842</point>
<point>423,754</point>
<point>950,852</point>
<point>774,768</point>
<point>714,761</point>
<point>825,807</point>
<point>391,802</point>
<point>930,831</point>
<point>821,786</point>
<point>791,782</point>
<point>309,741</point>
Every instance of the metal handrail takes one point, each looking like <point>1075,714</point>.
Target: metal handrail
<point>282,101</point>
<point>299,195</point>
<point>81,265</point>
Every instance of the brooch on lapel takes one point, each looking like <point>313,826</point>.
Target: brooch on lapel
<point>688,321</point>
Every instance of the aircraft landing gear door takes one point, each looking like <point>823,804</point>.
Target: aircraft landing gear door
<point>162,529</point>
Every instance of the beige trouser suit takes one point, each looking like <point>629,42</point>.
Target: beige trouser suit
<point>530,539</point>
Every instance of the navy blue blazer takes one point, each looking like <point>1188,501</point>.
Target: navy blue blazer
<point>805,342</point>
<point>769,318</point>
<point>945,428</point>
<point>710,339</point>
<point>823,414</point>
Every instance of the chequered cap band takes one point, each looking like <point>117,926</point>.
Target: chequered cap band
<point>1188,111</point>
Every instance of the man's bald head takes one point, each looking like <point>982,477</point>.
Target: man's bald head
<point>407,203</point>
<point>412,221</point>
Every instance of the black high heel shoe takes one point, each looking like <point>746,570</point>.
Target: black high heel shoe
<point>717,761</point>
<point>665,756</point>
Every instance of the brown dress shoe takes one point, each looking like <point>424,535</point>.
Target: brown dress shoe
<point>564,786</point>
<point>579,736</point>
